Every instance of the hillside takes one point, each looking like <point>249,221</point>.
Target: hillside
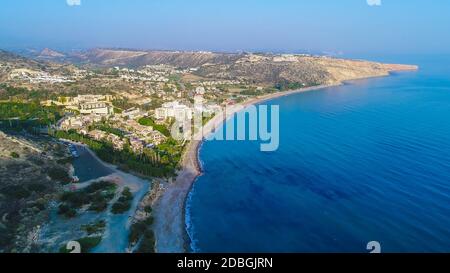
<point>16,61</point>
<point>133,58</point>
<point>257,68</point>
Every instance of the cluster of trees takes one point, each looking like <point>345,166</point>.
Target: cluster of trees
<point>142,234</point>
<point>9,92</point>
<point>158,127</point>
<point>170,152</point>
<point>159,162</point>
<point>155,103</point>
<point>94,228</point>
<point>106,128</point>
<point>284,86</point>
<point>256,92</point>
<point>123,204</point>
<point>28,113</point>
<point>31,117</point>
<point>23,191</point>
<point>59,174</point>
<point>96,195</point>
<point>123,104</point>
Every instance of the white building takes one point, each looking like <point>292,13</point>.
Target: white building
<point>132,113</point>
<point>99,108</point>
<point>173,110</point>
<point>91,98</point>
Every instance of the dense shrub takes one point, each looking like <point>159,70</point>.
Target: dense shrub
<point>147,244</point>
<point>94,228</point>
<point>59,174</point>
<point>141,232</point>
<point>97,196</point>
<point>123,204</point>
<point>16,191</point>
<point>158,127</point>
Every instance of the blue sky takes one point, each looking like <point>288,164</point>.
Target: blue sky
<point>347,26</point>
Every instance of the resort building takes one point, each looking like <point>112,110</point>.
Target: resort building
<point>157,138</point>
<point>99,108</point>
<point>132,113</point>
<point>173,110</point>
<point>97,134</point>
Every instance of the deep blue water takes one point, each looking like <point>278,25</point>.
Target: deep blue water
<point>367,161</point>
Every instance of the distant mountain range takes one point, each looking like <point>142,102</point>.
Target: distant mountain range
<point>132,58</point>
<point>257,68</point>
<point>9,57</point>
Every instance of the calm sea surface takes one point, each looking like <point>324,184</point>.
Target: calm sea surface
<point>367,161</point>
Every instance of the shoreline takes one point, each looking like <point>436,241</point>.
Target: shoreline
<point>170,210</point>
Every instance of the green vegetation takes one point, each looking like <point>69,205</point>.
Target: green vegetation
<point>106,128</point>
<point>117,110</point>
<point>284,86</point>
<point>159,162</point>
<point>252,92</point>
<point>18,203</point>
<point>167,89</point>
<point>16,191</point>
<point>40,204</point>
<point>96,195</point>
<point>9,92</point>
<point>158,127</point>
<point>148,209</point>
<point>15,155</point>
<point>123,204</point>
<point>170,152</point>
<point>22,191</point>
<point>140,232</point>
<point>37,187</point>
<point>148,243</point>
<point>175,77</point>
<point>59,174</point>
<point>205,119</point>
<point>86,243</point>
<point>94,228</point>
<point>155,103</point>
<point>16,114</point>
<point>67,211</point>
<point>123,104</point>
<point>66,160</point>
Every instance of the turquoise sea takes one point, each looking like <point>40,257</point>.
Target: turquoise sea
<point>366,161</point>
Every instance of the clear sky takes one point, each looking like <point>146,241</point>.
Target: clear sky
<point>347,26</point>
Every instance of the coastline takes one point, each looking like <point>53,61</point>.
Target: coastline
<point>170,209</point>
